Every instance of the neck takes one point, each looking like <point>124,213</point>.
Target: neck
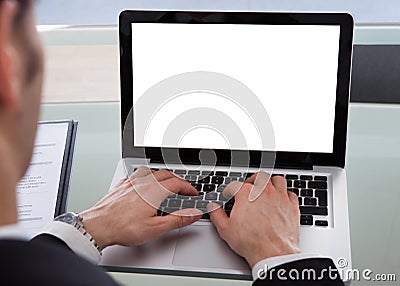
<point>9,177</point>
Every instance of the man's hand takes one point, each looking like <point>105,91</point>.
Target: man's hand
<point>127,214</point>
<point>266,227</point>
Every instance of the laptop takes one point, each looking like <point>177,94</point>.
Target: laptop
<point>200,89</point>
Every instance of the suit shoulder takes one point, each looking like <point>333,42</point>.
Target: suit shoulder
<point>43,263</point>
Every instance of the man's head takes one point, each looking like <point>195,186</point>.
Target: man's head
<point>21,75</point>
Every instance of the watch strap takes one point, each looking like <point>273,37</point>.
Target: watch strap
<point>81,228</point>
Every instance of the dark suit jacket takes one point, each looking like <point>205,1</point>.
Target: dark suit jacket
<point>46,260</point>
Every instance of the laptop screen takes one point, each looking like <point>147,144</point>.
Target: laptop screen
<point>292,69</point>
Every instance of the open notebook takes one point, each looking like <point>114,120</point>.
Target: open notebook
<point>42,192</point>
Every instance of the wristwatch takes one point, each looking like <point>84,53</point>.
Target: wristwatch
<point>76,221</point>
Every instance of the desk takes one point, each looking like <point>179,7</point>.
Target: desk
<point>373,171</point>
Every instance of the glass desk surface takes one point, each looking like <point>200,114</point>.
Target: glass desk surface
<point>373,168</point>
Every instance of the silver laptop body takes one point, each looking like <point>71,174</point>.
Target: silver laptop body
<point>197,250</point>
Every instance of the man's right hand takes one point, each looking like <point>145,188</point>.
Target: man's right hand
<point>128,214</point>
<point>266,227</point>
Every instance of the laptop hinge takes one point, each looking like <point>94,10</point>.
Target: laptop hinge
<point>294,166</point>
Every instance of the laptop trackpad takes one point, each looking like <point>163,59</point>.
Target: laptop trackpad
<point>200,246</point>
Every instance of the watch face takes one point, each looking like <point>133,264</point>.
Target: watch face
<point>68,218</point>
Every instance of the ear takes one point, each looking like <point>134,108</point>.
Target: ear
<point>10,96</point>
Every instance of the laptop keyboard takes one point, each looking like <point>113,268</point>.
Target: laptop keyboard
<point>311,190</point>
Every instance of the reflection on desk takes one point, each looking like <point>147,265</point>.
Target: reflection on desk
<point>373,166</point>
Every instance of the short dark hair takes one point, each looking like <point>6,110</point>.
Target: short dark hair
<point>22,10</point>
<point>19,22</point>
<point>23,7</point>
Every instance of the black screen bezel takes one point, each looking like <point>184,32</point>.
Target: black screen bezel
<point>283,159</point>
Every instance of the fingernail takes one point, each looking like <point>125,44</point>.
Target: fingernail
<point>212,206</point>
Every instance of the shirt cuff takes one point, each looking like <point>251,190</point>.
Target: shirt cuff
<point>272,262</point>
<point>74,239</point>
<point>13,231</point>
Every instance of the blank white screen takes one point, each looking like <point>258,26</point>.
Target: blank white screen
<point>291,68</point>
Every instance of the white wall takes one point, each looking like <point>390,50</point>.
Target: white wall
<point>106,12</point>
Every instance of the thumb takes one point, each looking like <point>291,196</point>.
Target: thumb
<point>180,219</point>
<point>218,217</point>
